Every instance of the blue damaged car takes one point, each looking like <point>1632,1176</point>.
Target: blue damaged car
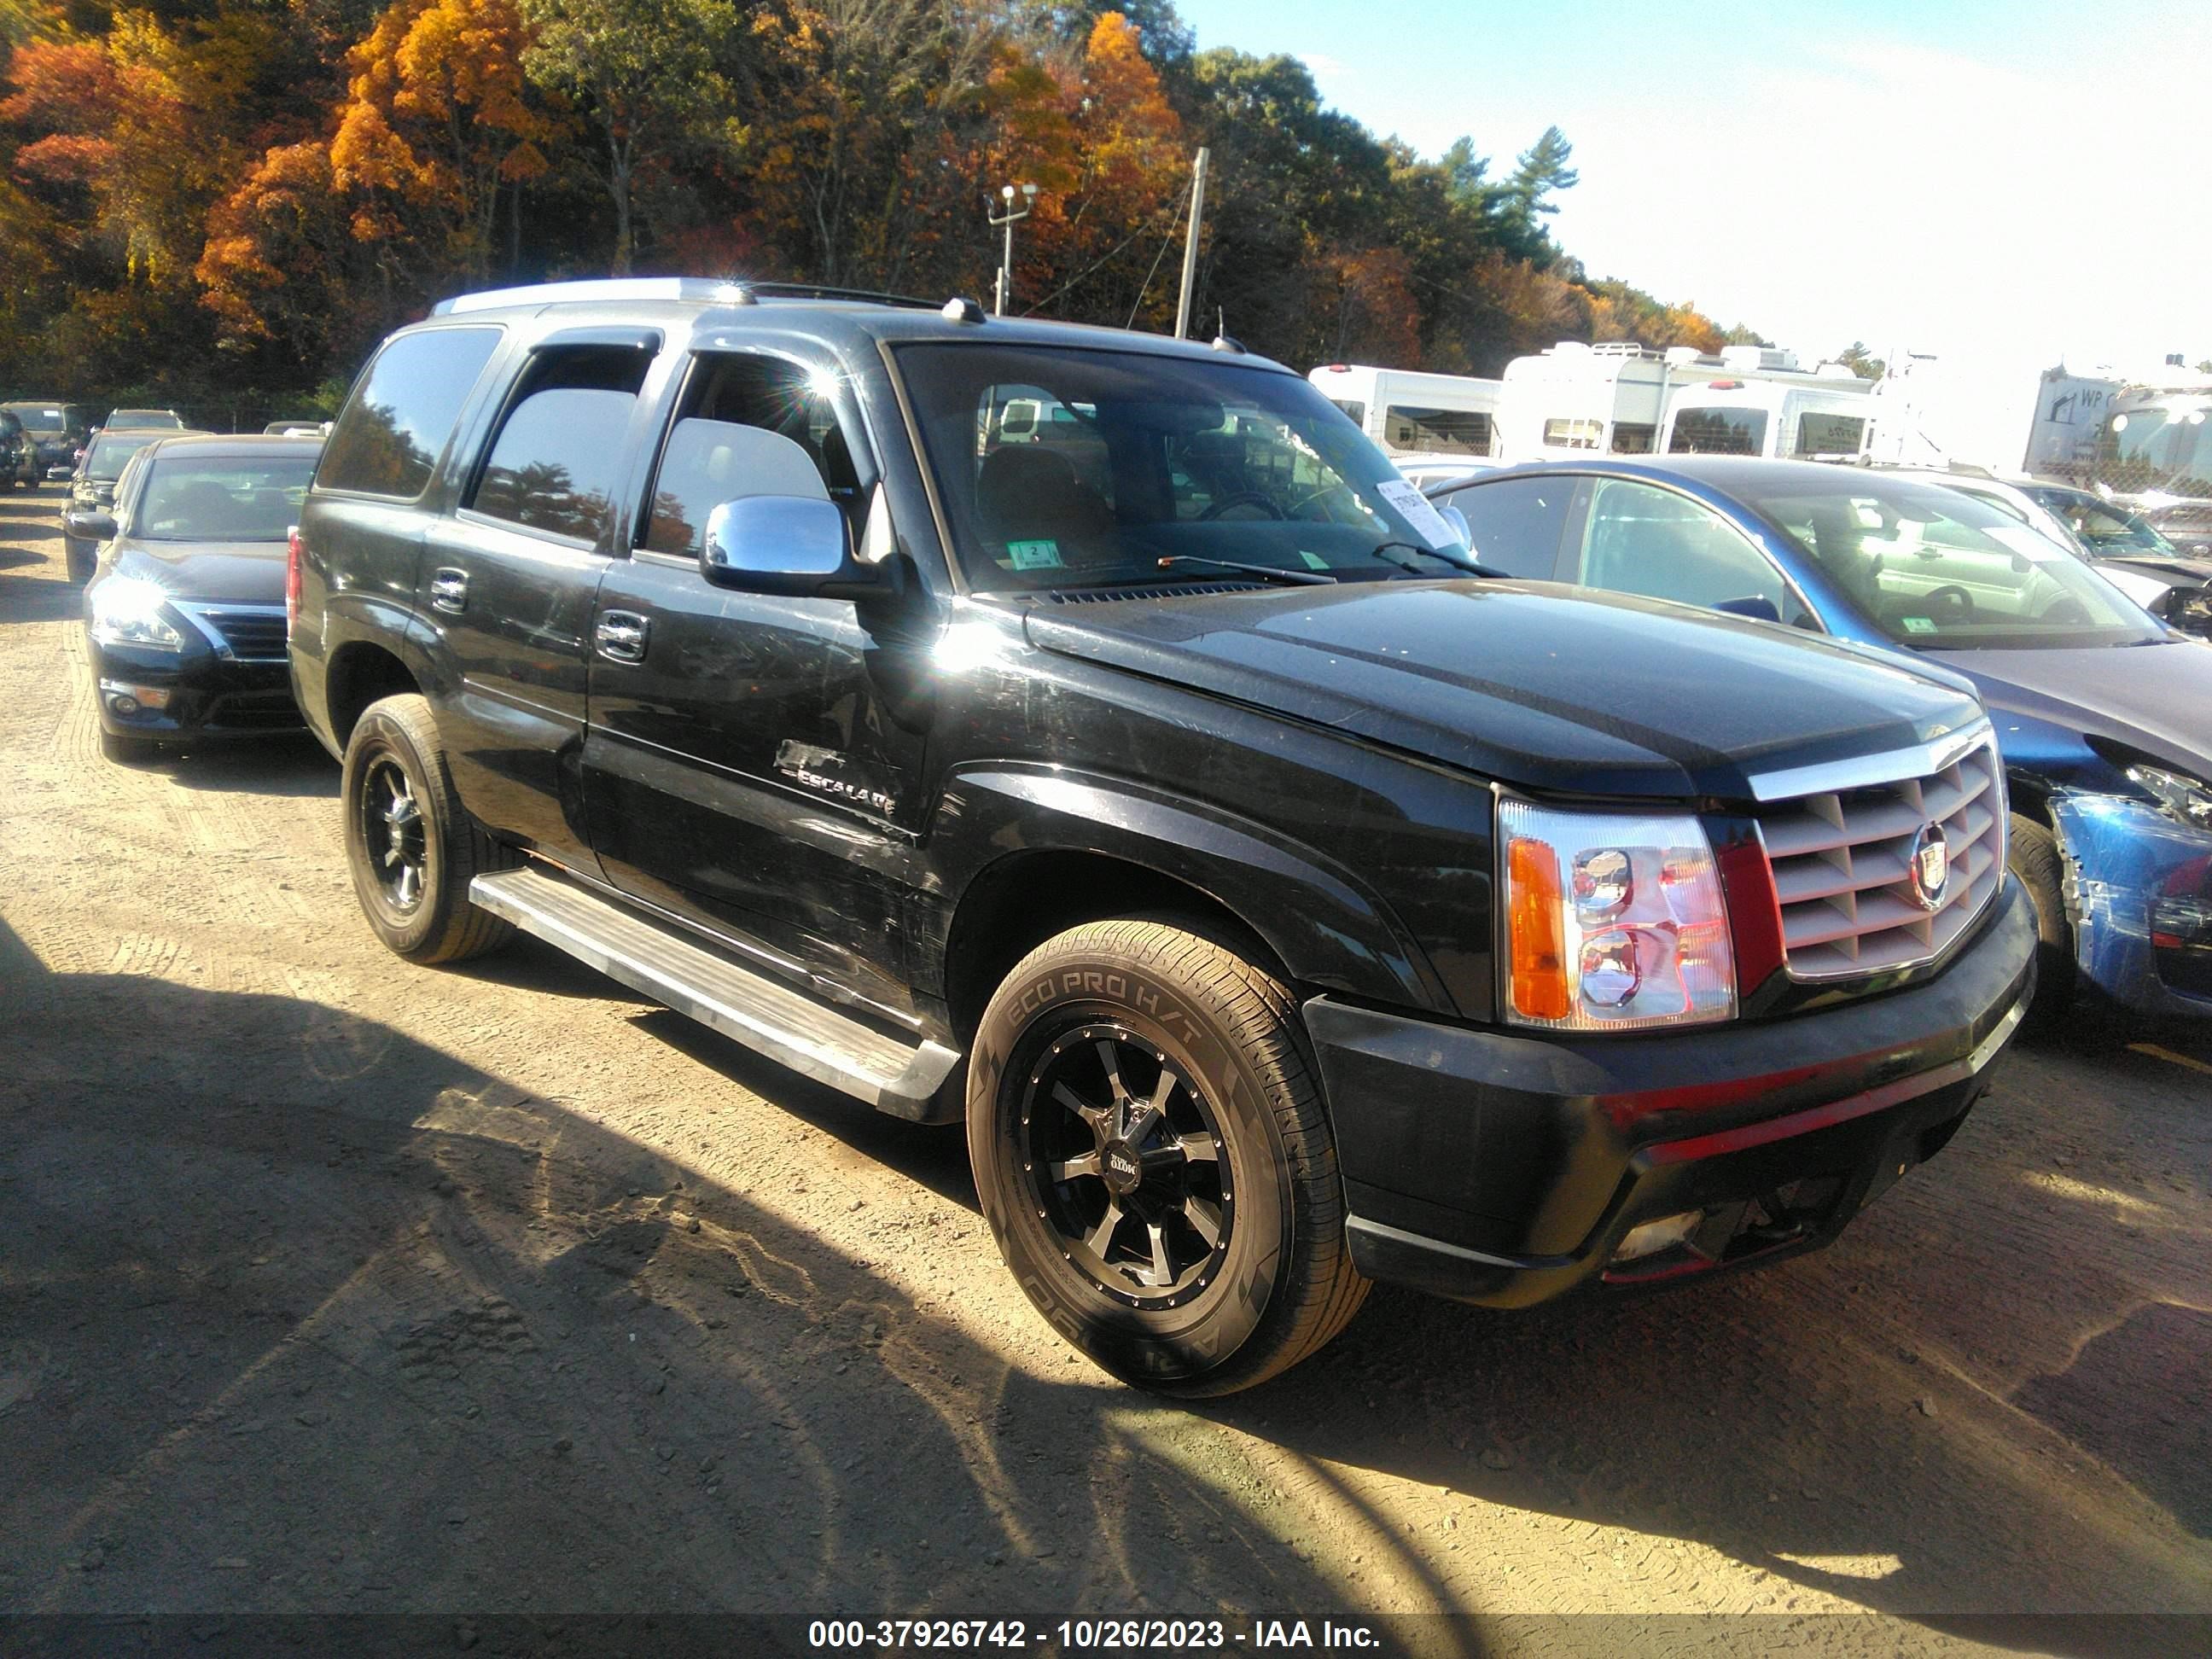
<point>2103,713</point>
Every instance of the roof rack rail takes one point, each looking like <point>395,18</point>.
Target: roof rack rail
<point>813,291</point>
<point>723,290</point>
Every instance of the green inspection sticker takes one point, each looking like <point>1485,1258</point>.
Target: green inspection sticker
<point>1917,625</point>
<point>1034,555</point>
<point>1313,561</point>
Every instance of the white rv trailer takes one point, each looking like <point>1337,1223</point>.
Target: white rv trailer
<point>2154,455</point>
<point>1571,398</point>
<point>2002,415</point>
<point>1415,415</point>
<point>1754,407</point>
<point>1620,399</point>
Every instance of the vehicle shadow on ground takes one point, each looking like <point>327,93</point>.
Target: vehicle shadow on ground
<point>281,763</point>
<point>300,1314</point>
<point>1958,1409</point>
<point>38,599</point>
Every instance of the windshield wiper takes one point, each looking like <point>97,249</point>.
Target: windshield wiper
<point>1274,573</point>
<point>1472,567</point>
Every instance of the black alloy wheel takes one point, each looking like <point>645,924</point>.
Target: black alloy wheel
<point>1125,1159</point>
<point>392,832</point>
<point>1153,1157</point>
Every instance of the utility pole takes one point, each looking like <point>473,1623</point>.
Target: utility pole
<point>1009,219</point>
<point>1190,244</point>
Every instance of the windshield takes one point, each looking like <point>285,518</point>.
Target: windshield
<point>2161,446</point>
<point>37,417</point>
<point>222,498</point>
<point>1065,468</point>
<point>106,460</point>
<point>2103,526</point>
<point>1933,568</point>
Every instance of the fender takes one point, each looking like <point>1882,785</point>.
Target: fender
<point>377,620</point>
<point>1320,919</point>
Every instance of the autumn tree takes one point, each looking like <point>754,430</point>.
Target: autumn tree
<point>643,73</point>
<point>281,268</point>
<point>851,115</point>
<point>437,118</point>
<point>1096,134</point>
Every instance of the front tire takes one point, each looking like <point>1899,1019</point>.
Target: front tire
<point>411,845</point>
<point>1153,1158</point>
<point>2035,858</point>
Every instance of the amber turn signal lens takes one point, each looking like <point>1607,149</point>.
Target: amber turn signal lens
<point>1533,920</point>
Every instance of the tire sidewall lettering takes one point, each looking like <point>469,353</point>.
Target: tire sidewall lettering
<point>1155,1345</point>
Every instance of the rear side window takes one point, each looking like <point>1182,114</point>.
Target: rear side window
<point>1516,523</point>
<point>1436,431</point>
<point>398,421</point>
<point>554,466</point>
<point>1718,432</point>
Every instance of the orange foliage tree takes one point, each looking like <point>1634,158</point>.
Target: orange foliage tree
<point>437,117</point>
<point>1097,134</point>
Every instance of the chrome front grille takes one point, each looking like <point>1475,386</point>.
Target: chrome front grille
<point>1843,859</point>
<point>248,633</point>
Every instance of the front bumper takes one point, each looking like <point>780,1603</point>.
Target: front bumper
<point>208,698</point>
<point>1505,1168</point>
<point>2140,892</point>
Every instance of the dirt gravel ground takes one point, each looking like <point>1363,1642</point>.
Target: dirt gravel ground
<point>329,1284</point>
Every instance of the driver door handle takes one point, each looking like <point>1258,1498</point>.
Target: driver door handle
<point>620,635</point>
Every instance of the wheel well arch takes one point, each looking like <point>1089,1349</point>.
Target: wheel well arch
<point>1015,904</point>
<point>2030,797</point>
<point>360,673</point>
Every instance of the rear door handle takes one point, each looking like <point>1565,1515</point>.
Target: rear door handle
<point>449,590</point>
<point>620,635</point>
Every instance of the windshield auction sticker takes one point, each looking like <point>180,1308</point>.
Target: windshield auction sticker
<point>1413,506</point>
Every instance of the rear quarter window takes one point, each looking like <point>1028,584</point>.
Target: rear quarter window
<point>394,427</point>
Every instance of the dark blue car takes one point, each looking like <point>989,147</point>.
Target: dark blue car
<point>2103,714</point>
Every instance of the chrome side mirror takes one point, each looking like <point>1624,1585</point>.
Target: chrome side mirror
<point>794,546</point>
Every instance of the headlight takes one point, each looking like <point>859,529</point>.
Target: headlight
<point>1613,922</point>
<point>127,610</point>
<point>2179,794</point>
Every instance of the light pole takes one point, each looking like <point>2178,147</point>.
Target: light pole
<point>1009,219</point>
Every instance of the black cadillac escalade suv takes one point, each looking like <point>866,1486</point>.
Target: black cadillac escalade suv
<point>1091,737</point>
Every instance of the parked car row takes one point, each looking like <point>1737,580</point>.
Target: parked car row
<point>2104,712</point>
<point>1579,879</point>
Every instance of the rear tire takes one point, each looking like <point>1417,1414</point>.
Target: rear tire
<point>1212,1255</point>
<point>2036,859</point>
<point>79,561</point>
<point>411,845</point>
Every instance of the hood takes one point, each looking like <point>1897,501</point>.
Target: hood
<point>1531,683</point>
<point>2155,697</point>
<point>2170,569</point>
<point>213,572</point>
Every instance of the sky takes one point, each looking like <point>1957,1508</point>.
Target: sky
<point>2007,184</point>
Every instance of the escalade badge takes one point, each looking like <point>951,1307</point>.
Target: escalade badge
<point>1930,867</point>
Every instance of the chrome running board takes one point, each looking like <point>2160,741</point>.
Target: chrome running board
<point>789,1027</point>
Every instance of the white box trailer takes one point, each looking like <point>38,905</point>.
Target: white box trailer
<point>2007,416</point>
<point>1620,399</point>
<point>1571,398</point>
<point>1412,414</point>
<point>1765,415</point>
